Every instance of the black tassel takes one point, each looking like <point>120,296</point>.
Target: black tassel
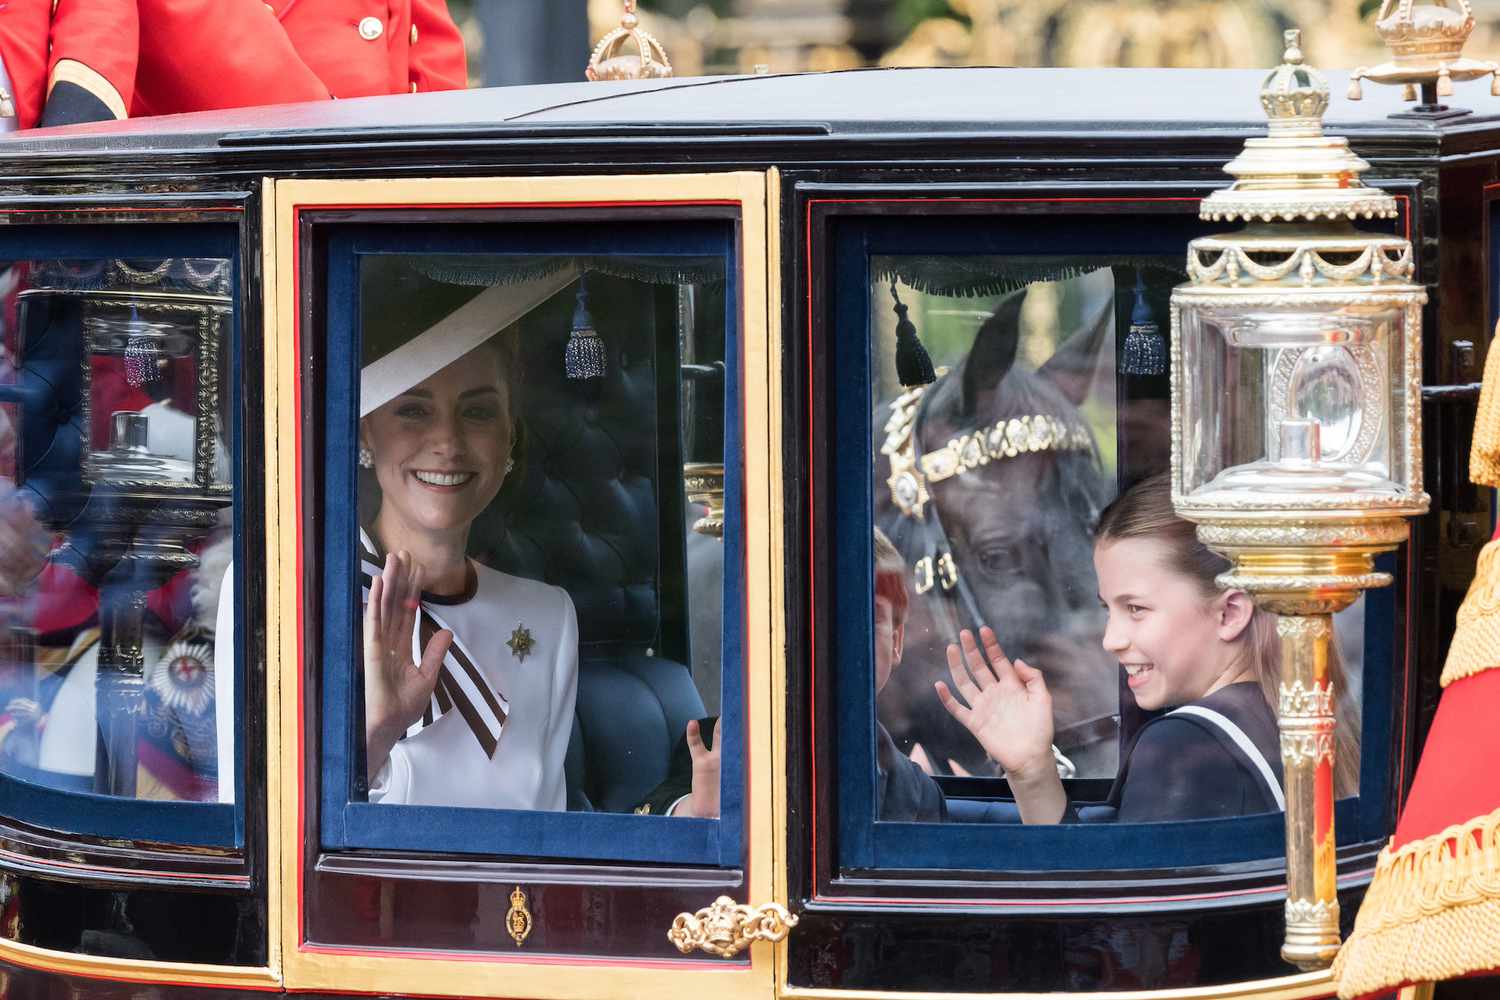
<point>585,358</point>
<point>913,364</point>
<point>1145,348</point>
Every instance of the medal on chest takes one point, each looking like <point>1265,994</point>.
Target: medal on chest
<point>521,642</point>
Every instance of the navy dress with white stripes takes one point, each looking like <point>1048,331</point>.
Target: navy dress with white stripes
<point>1183,765</point>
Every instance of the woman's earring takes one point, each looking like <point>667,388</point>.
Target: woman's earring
<point>510,465</point>
<point>366,458</point>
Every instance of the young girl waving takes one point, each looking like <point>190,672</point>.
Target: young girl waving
<point>1205,656</point>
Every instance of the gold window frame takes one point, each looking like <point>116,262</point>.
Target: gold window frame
<point>498,974</point>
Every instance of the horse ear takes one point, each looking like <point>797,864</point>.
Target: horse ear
<point>993,353</point>
<point>1075,363</point>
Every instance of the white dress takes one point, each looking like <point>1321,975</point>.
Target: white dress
<point>443,764</point>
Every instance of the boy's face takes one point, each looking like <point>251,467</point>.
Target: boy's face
<point>889,634</point>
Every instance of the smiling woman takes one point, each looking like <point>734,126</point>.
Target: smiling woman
<point>437,439</point>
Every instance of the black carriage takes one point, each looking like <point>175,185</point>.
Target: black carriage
<point>714,289</point>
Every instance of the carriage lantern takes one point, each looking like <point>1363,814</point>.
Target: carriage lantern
<point>1296,373</point>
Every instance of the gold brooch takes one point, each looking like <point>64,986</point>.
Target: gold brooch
<point>520,642</point>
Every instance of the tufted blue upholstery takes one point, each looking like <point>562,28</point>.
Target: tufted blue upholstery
<point>584,511</point>
<point>581,510</point>
<point>632,710</point>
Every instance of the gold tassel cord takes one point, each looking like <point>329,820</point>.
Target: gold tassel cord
<point>1476,639</point>
<point>1432,912</point>
<point>1484,454</point>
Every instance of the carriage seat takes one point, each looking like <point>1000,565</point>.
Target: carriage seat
<point>631,712</point>
<point>583,510</point>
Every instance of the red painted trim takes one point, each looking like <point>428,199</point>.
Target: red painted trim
<point>988,201</point>
<point>949,903</point>
<point>503,958</point>
<point>301,657</point>
<point>112,210</point>
<point>396,206</point>
<point>1272,891</point>
<point>812,580</point>
<point>186,877</point>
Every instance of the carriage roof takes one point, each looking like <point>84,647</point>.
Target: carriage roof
<point>869,105</point>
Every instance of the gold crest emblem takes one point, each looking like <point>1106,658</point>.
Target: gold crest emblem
<point>518,917</point>
<point>520,642</point>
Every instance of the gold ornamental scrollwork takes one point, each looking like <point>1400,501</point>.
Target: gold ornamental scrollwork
<point>1305,747</point>
<point>1380,533</point>
<point>1309,913</point>
<point>727,928</point>
<point>1317,627</point>
<point>1302,702</point>
<point>518,922</point>
<point>1257,584</point>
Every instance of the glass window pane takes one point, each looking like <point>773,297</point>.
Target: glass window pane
<point>116,526</point>
<point>541,532</point>
<point>1143,692</point>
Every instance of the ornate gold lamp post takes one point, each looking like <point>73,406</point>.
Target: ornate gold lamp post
<point>1296,376</point>
<point>1426,41</point>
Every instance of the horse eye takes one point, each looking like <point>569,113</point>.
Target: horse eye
<point>995,560</point>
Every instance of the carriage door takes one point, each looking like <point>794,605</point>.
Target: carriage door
<point>543,768</point>
<point>986,371</point>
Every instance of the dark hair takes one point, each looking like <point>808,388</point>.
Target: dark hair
<point>1145,511</point>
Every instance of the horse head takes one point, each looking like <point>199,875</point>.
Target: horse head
<point>993,486</point>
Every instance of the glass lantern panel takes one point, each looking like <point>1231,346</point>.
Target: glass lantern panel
<point>116,527</point>
<point>1285,402</point>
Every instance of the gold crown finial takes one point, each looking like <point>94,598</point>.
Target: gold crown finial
<point>1293,39</point>
<point>1296,172</point>
<point>608,62</point>
<point>1294,95</point>
<point>1426,41</point>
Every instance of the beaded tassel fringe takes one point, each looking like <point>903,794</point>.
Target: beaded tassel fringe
<point>585,358</point>
<point>1145,351</point>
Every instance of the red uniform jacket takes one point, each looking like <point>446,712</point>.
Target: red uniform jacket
<point>86,47</point>
<point>202,54</point>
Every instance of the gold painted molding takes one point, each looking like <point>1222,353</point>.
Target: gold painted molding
<point>281,613</point>
<point>498,973</point>
<point>1307,986</point>
<point>138,971</point>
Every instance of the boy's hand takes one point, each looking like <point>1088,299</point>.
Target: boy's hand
<point>704,800</point>
<point>1008,708</point>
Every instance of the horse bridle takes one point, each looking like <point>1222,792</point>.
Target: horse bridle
<point>935,573</point>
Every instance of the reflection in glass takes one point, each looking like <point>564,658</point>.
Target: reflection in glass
<point>117,529</point>
<point>987,483</point>
<point>541,495</point>
<point>990,480</point>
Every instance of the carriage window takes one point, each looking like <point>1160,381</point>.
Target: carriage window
<point>543,519</point>
<point>1047,644</point>
<point>117,679</point>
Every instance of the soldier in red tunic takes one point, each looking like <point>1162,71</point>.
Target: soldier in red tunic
<point>66,61</point>
<point>202,54</point>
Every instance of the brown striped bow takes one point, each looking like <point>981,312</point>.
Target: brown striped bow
<point>461,685</point>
